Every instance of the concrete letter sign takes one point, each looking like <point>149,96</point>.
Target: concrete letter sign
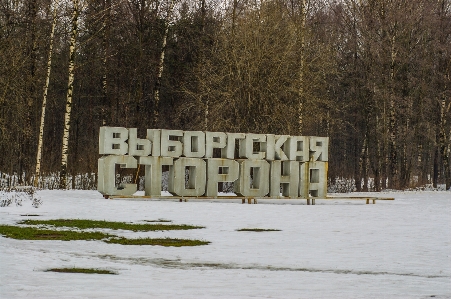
<point>319,148</point>
<point>228,152</point>
<point>258,184</point>
<point>298,148</point>
<point>214,140</point>
<point>138,147</point>
<point>194,144</point>
<point>289,178</point>
<point>112,141</point>
<point>170,147</point>
<point>317,179</point>
<point>155,138</point>
<point>153,173</point>
<point>259,165</point>
<point>304,180</point>
<point>247,147</point>
<point>107,175</point>
<point>229,173</point>
<point>274,147</point>
<point>196,170</point>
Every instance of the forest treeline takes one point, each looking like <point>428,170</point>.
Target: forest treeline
<point>373,75</point>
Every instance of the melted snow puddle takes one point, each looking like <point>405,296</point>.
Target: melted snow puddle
<point>178,264</point>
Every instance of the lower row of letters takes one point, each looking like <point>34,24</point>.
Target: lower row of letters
<point>195,177</point>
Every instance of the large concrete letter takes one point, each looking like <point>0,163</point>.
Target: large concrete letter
<point>318,179</point>
<point>303,179</point>
<point>214,140</point>
<point>273,147</point>
<point>112,141</point>
<point>154,135</point>
<point>229,151</point>
<point>136,146</point>
<point>260,180</point>
<point>171,148</point>
<point>297,148</point>
<point>288,177</point>
<point>196,179</point>
<point>107,175</point>
<point>230,173</point>
<point>319,149</point>
<point>194,144</point>
<point>153,173</point>
<point>247,147</point>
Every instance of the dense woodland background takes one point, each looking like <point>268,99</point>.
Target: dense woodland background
<point>373,75</point>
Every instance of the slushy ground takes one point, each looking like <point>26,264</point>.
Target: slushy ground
<point>334,249</point>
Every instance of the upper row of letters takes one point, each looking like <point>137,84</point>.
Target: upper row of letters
<point>198,144</point>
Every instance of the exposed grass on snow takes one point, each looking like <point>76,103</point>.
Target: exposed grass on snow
<point>33,233</point>
<point>157,242</point>
<point>81,270</point>
<point>258,230</point>
<point>39,233</point>
<point>87,224</point>
<point>159,220</point>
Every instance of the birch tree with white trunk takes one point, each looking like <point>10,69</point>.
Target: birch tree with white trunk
<point>44,99</point>
<point>70,88</point>
<point>156,112</point>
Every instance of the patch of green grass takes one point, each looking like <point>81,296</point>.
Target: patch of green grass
<point>86,223</point>
<point>32,233</point>
<point>80,270</point>
<point>157,242</point>
<point>258,230</point>
<point>159,220</point>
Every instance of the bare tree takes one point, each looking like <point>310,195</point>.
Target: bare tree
<point>156,94</point>
<point>70,89</point>
<point>44,98</point>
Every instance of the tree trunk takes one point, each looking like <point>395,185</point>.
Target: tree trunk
<point>44,99</point>
<point>363,169</point>
<point>156,112</point>
<point>74,168</point>
<point>378,160</point>
<point>202,60</point>
<point>30,94</point>
<point>365,166</point>
<point>357,172</point>
<point>393,159</point>
<point>106,29</point>
<point>301,91</point>
<point>70,88</point>
<point>435,168</point>
<point>444,143</point>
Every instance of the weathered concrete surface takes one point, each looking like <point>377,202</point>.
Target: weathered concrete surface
<point>318,179</point>
<point>153,173</point>
<point>214,140</point>
<point>137,146</point>
<point>288,177</point>
<point>258,186</point>
<point>194,144</point>
<point>171,148</point>
<point>107,175</point>
<point>230,173</point>
<point>298,164</point>
<point>112,141</point>
<point>196,177</point>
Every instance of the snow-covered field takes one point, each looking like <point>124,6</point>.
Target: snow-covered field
<point>334,249</point>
